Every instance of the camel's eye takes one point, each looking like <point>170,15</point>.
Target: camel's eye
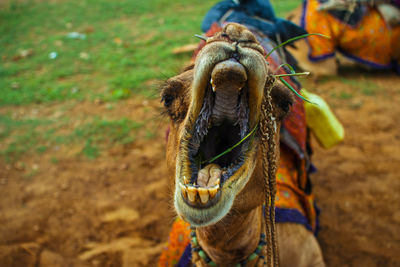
<point>174,95</point>
<point>167,99</point>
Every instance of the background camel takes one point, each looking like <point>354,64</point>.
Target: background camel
<point>360,34</point>
<point>224,200</point>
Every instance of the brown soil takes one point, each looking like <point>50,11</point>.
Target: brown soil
<point>116,211</point>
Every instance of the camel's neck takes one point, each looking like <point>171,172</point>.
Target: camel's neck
<point>232,239</point>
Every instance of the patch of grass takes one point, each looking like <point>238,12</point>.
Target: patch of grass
<point>283,7</point>
<point>41,149</point>
<point>345,95</point>
<point>7,124</point>
<point>370,89</point>
<point>100,130</point>
<point>89,150</point>
<point>367,88</point>
<point>121,46</point>
<point>125,44</point>
<point>25,136</point>
<point>54,160</point>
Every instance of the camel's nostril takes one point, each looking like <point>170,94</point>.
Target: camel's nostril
<point>236,56</point>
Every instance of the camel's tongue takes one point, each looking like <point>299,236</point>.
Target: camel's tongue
<point>228,78</point>
<point>209,176</point>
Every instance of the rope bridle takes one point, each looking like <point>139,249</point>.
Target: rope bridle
<point>268,145</point>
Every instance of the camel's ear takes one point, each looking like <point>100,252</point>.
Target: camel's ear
<point>282,99</point>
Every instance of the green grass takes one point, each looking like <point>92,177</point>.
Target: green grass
<point>27,136</point>
<point>100,131</point>
<point>127,45</point>
<point>283,7</point>
<point>367,88</point>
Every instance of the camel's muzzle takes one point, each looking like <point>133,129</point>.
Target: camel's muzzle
<point>226,94</point>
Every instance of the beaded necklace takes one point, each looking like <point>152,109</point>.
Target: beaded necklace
<point>197,251</point>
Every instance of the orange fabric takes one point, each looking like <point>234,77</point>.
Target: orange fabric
<point>371,40</point>
<point>288,193</point>
<point>179,238</point>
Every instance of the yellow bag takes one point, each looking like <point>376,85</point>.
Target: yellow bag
<point>321,120</point>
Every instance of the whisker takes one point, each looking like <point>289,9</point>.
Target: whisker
<point>201,37</point>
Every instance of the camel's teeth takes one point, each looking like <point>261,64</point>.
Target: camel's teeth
<point>185,180</point>
<point>183,190</point>
<point>192,192</point>
<point>212,85</point>
<point>213,191</point>
<point>203,193</point>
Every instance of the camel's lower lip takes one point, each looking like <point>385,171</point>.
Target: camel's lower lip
<point>200,214</point>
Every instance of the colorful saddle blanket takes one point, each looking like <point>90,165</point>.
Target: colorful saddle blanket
<point>369,41</point>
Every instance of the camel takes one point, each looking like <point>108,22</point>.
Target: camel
<point>369,38</point>
<point>212,105</point>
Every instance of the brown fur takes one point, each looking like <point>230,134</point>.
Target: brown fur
<point>235,236</point>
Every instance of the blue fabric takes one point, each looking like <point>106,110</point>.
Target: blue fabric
<point>312,169</point>
<point>283,215</point>
<point>256,13</point>
<point>366,62</point>
<point>186,258</point>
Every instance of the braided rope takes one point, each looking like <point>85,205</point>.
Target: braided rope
<point>267,133</point>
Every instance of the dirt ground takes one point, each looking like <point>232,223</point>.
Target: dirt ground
<point>116,210</point>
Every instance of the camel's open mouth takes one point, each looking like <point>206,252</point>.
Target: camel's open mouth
<point>225,103</point>
<point>222,123</point>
